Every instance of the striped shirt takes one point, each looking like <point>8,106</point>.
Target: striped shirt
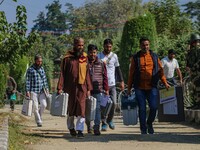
<point>36,80</point>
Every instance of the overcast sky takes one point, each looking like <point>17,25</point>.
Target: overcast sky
<point>35,6</point>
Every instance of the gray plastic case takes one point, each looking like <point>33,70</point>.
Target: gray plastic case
<point>59,104</point>
<point>90,110</point>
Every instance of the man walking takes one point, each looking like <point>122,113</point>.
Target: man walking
<point>36,85</point>
<point>75,80</point>
<point>113,70</point>
<point>11,91</point>
<point>170,64</point>
<point>98,74</point>
<point>144,74</point>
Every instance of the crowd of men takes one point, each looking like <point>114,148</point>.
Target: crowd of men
<point>92,74</point>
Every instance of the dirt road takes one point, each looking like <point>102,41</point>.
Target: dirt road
<point>171,136</point>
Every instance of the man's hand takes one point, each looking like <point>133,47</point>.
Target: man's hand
<point>88,94</point>
<point>167,86</point>
<point>121,85</point>
<point>181,82</point>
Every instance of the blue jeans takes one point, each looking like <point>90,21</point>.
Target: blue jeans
<point>151,96</point>
<point>98,112</point>
<point>113,96</point>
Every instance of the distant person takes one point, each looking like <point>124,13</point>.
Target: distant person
<point>98,74</point>
<point>36,83</point>
<point>75,80</point>
<point>11,91</point>
<point>113,71</point>
<point>193,63</point>
<point>144,74</point>
<point>170,64</point>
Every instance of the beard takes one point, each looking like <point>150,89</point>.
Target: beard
<point>107,52</point>
<point>144,50</point>
<point>38,66</point>
<point>91,59</point>
<point>78,52</point>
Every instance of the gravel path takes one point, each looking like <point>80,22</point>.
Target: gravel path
<point>171,136</point>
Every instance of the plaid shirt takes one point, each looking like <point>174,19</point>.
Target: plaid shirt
<point>36,80</point>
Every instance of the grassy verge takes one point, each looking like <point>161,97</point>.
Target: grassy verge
<point>18,140</point>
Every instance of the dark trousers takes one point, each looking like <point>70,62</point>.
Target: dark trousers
<point>151,96</point>
<point>12,104</point>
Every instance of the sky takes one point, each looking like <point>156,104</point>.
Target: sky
<point>33,8</point>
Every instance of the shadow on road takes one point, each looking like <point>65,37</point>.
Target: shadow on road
<point>172,137</point>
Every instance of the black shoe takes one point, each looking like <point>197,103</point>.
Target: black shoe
<point>97,132</point>
<point>150,129</point>
<point>143,132</point>
<point>80,135</point>
<point>72,132</point>
<point>39,124</point>
<point>89,130</point>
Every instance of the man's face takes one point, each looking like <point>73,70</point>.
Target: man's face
<point>145,45</point>
<point>38,62</point>
<point>171,56</point>
<point>195,43</point>
<point>92,55</point>
<point>79,47</point>
<point>107,48</point>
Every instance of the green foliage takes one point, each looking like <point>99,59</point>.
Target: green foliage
<point>105,16</point>
<point>133,30</point>
<point>54,20</point>
<point>179,45</point>
<point>193,9</point>
<point>173,28</point>
<point>169,18</point>
<point>3,80</point>
<point>18,72</point>
<point>13,40</point>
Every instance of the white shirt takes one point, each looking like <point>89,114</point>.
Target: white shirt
<point>169,66</point>
<point>111,61</point>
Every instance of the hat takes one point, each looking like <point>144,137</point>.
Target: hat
<point>171,51</point>
<point>194,37</point>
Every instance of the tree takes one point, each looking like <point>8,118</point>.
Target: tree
<point>54,20</point>
<point>173,28</point>
<point>193,9</point>
<point>13,40</point>
<point>13,43</point>
<point>169,18</point>
<point>41,24</point>
<point>18,72</point>
<point>3,80</point>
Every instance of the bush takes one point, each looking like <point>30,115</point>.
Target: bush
<point>3,84</point>
<point>18,72</point>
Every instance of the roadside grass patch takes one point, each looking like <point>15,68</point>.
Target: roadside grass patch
<point>18,140</point>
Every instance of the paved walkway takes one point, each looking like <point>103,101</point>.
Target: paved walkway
<point>170,136</point>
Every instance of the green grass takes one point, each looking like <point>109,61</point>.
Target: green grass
<point>18,137</point>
